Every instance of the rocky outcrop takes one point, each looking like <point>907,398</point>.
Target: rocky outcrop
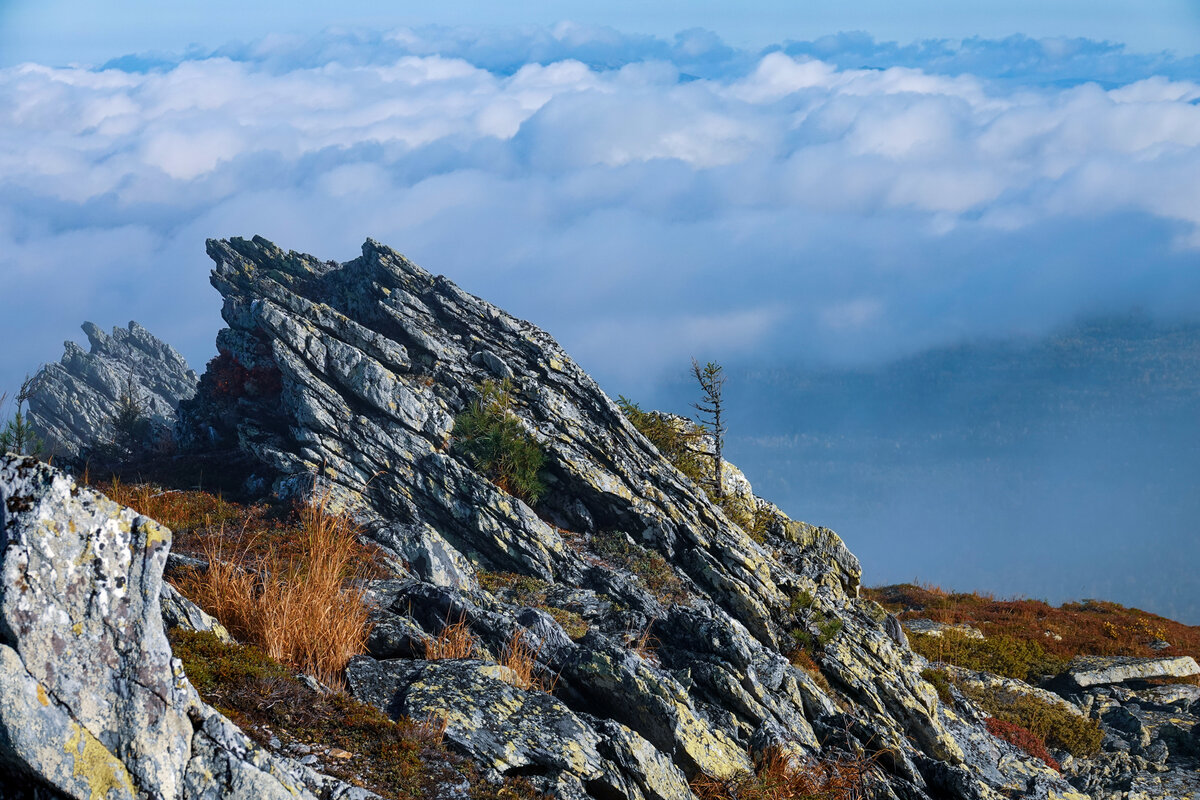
<point>74,401</point>
<point>92,705</point>
<point>1088,671</point>
<point>1151,745</point>
<point>677,663</point>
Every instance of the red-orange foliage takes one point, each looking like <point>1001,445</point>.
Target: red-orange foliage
<point>1023,738</point>
<point>1090,627</point>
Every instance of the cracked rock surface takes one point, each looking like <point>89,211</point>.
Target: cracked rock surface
<point>680,623</point>
<point>75,399</point>
<point>92,704</point>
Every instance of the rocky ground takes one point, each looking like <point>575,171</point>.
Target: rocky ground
<point>672,644</point>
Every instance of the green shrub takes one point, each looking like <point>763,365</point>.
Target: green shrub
<point>490,436</point>
<point>675,440</point>
<point>940,681</point>
<point>1050,722</point>
<point>1022,659</point>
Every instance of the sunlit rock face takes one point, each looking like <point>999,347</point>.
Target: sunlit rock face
<point>75,400</point>
<point>92,704</point>
<point>680,623</point>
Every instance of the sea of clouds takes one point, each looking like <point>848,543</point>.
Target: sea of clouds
<point>644,199</point>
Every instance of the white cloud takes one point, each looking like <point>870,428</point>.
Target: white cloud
<point>615,206</point>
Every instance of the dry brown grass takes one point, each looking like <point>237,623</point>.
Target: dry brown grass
<point>522,658</point>
<point>643,644</point>
<point>779,777</point>
<point>455,641</point>
<point>304,608</point>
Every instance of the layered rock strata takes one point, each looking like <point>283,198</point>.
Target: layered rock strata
<point>75,400</point>
<point>681,623</point>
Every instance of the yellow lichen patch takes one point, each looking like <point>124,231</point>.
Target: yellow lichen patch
<point>156,534</point>
<point>41,695</point>
<point>100,769</point>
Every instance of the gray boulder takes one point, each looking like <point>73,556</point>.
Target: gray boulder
<point>1086,671</point>
<point>74,400</point>
<point>92,704</point>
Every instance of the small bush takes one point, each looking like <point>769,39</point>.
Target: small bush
<point>779,777</point>
<point>304,610</point>
<point>803,659</point>
<point>574,625</point>
<point>674,438</point>
<point>1049,722</point>
<point>940,681</point>
<point>1023,738</point>
<point>490,436</point>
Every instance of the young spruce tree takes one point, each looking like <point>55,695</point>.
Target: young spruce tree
<point>711,378</point>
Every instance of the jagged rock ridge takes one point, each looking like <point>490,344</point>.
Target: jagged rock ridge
<point>354,372</point>
<point>75,399</point>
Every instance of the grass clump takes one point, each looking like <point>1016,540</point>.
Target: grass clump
<point>780,777</point>
<point>490,436</point>
<point>1050,723</point>
<point>398,760</point>
<point>522,658</point>
<point>1012,657</point>
<point>650,567</point>
<point>184,512</point>
<point>304,608</point>
<point>454,641</point>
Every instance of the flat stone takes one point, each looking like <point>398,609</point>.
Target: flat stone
<point>928,627</point>
<point>1096,670</point>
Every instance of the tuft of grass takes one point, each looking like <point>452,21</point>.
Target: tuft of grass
<point>304,609</point>
<point>779,777</point>
<point>574,625</point>
<point>181,511</point>
<point>490,436</point>
<point>522,658</point>
<point>401,760</point>
<point>1051,724</point>
<point>804,660</point>
<point>1023,738</point>
<point>650,567</point>
<point>454,641</point>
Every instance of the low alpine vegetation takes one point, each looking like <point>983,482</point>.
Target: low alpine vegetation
<point>304,608</point>
<point>1051,724</point>
<point>779,777</point>
<point>491,437</point>
<point>401,760</point>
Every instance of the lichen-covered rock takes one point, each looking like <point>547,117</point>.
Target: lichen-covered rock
<point>681,624</point>
<point>92,705</point>
<point>75,399</point>
<point>1086,671</point>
